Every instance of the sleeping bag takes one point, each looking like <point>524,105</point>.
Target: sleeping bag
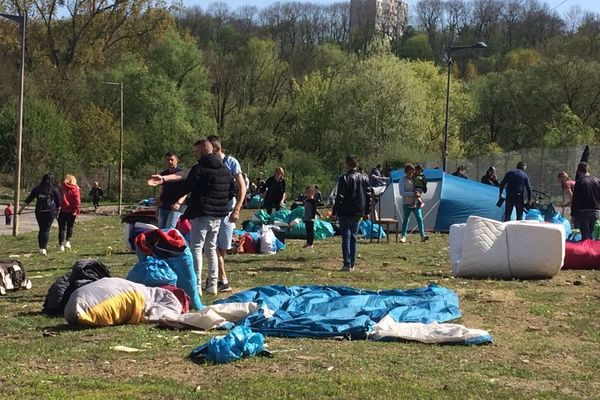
<point>116,301</point>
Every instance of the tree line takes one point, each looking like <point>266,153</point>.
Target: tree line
<point>291,84</point>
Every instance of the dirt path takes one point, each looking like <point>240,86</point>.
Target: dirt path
<point>27,222</point>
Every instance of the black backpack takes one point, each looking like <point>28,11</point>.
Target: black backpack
<point>46,202</point>
<point>13,276</point>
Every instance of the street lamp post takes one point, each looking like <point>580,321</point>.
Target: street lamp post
<point>451,49</point>
<point>22,23</point>
<point>120,85</point>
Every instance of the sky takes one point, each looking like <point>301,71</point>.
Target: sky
<point>562,6</point>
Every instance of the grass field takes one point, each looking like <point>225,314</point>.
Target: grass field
<point>547,334</point>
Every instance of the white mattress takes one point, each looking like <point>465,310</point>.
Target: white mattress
<point>519,249</point>
<point>484,250</point>
<point>455,242</point>
<point>535,250</point>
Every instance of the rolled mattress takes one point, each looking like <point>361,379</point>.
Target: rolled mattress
<point>520,249</point>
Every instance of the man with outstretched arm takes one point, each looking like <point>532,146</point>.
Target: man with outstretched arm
<point>168,213</point>
<point>212,188</point>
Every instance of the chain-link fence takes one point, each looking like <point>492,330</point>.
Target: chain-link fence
<point>543,165</point>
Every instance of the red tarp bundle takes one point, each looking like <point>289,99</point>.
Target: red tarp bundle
<point>582,255</point>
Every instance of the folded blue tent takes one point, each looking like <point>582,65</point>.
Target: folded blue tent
<point>449,200</point>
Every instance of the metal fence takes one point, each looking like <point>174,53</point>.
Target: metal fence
<point>543,165</point>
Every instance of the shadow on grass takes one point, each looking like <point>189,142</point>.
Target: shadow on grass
<point>103,254</point>
<point>24,297</point>
<point>55,330</point>
<point>277,269</point>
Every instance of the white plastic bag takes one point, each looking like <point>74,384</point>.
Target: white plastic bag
<point>267,241</point>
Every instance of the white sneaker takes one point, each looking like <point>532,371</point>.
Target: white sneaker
<point>62,247</point>
<point>403,239</point>
<point>211,289</point>
<point>43,252</point>
<point>68,245</point>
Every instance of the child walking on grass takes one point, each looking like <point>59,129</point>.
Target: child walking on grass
<point>310,213</point>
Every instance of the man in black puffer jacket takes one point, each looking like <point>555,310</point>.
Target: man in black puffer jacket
<point>211,186</point>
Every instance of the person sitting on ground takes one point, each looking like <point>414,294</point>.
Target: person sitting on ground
<point>585,207</point>
<point>310,213</point>
<point>566,184</point>
<point>461,172</point>
<point>420,186</point>
<point>490,177</point>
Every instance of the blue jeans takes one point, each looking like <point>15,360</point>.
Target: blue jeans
<point>168,218</point>
<point>348,228</point>
<point>203,236</point>
<point>406,210</point>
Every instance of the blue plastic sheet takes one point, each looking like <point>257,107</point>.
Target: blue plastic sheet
<point>329,311</point>
<point>559,219</point>
<point>534,215</point>
<point>239,343</point>
<point>368,229</point>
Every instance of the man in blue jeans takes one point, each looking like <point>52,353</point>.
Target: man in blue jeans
<point>353,201</point>
<point>169,213</point>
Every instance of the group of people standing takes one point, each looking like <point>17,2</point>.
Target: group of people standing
<point>213,184</point>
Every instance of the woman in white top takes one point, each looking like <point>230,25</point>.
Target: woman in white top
<point>409,204</point>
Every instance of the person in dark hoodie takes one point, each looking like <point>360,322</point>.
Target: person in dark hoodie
<point>70,206</point>
<point>212,187</point>
<point>585,206</point>
<point>47,197</point>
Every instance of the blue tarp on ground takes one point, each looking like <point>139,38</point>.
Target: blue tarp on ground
<point>329,311</point>
<point>238,343</point>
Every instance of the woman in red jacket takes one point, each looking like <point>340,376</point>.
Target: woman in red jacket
<point>70,205</point>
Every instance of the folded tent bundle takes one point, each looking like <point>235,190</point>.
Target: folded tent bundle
<point>171,247</point>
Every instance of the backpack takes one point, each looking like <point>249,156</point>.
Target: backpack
<point>45,202</point>
<point>13,276</point>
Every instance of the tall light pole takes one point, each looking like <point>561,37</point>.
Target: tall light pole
<point>22,23</point>
<point>120,85</point>
<point>449,51</point>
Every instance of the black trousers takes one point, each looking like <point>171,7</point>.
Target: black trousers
<point>270,205</point>
<point>66,221</point>
<point>44,220</point>
<point>310,232</point>
<point>586,219</point>
<point>516,201</point>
